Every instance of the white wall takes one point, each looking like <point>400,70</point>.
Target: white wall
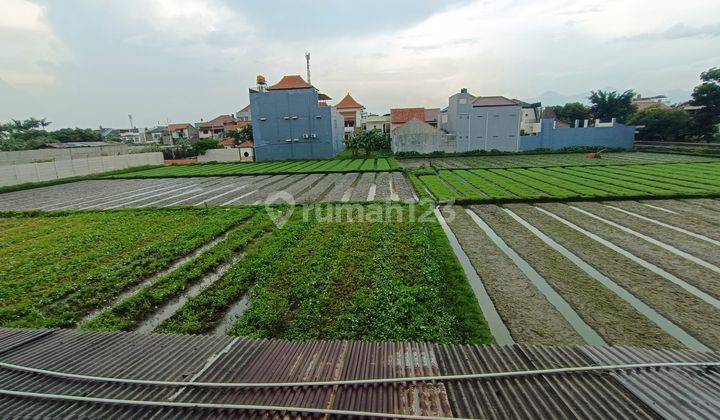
<point>30,156</point>
<point>220,155</point>
<point>47,171</point>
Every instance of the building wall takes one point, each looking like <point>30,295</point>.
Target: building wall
<point>617,136</point>
<point>47,171</point>
<point>29,156</point>
<point>220,155</point>
<point>492,128</point>
<point>420,137</point>
<point>289,124</point>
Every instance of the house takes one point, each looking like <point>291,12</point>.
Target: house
<point>400,116</point>
<point>417,136</point>
<point>159,135</point>
<point>183,131</point>
<point>235,126</point>
<point>482,122</point>
<point>290,120</point>
<point>215,128</point>
<point>244,114</point>
<point>377,122</point>
<point>658,101</point>
<point>353,113</point>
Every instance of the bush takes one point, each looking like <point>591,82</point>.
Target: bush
<point>203,145</point>
<point>661,124</point>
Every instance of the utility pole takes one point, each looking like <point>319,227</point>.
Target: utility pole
<point>131,123</point>
<point>307,60</point>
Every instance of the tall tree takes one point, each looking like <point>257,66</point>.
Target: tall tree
<point>572,111</point>
<point>707,96</point>
<point>661,124</point>
<point>608,105</point>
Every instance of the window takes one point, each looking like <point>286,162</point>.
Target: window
<point>462,101</point>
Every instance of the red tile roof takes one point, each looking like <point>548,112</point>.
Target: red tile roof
<point>180,126</point>
<point>246,144</point>
<point>403,115</point>
<point>431,114</point>
<point>323,97</point>
<point>291,82</point>
<point>218,121</point>
<point>493,101</point>
<point>348,102</point>
<point>236,125</point>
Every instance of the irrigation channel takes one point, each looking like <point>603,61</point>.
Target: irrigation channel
<point>108,194</point>
<point>619,273</point>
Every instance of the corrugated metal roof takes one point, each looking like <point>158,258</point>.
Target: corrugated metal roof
<point>647,393</point>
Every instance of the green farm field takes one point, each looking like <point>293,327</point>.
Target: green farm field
<point>550,159</point>
<point>571,183</point>
<point>233,271</point>
<point>267,168</point>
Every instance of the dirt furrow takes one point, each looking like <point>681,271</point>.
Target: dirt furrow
<point>696,317</point>
<point>612,317</point>
<point>530,318</point>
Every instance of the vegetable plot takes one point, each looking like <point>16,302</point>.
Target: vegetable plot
<point>267,168</point>
<point>574,183</point>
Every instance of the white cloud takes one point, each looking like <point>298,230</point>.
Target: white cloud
<point>515,48</point>
<point>29,45</point>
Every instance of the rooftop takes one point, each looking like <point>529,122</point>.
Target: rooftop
<point>493,101</point>
<point>619,393</point>
<point>348,102</point>
<point>218,121</point>
<point>291,82</point>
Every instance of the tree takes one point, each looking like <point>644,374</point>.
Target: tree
<point>661,124</point>
<point>707,96</point>
<point>572,111</point>
<point>242,135</point>
<point>608,105</point>
<point>354,143</point>
<point>203,145</point>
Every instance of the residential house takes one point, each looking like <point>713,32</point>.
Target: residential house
<point>159,135</point>
<point>215,128</point>
<point>290,120</point>
<point>377,122</point>
<point>482,122</point>
<point>353,113</point>
<point>400,116</point>
<point>659,101</point>
<point>417,136</point>
<point>183,131</point>
<point>244,114</point>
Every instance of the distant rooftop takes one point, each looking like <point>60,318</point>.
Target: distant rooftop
<point>348,102</point>
<point>481,101</point>
<point>291,82</point>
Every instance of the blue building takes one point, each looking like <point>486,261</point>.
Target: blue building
<point>291,120</point>
<point>556,135</point>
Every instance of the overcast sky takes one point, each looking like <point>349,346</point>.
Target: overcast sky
<point>92,62</point>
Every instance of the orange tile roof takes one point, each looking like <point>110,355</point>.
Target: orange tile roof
<point>180,126</point>
<point>246,144</point>
<point>236,125</point>
<point>403,115</point>
<point>218,121</point>
<point>348,102</point>
<point>291,82</point>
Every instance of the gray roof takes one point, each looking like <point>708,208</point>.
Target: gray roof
<point>670,392</point>
<point>493,101</point>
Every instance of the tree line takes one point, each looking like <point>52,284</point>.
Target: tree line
<point>658,123</point>
<point>30,134</point>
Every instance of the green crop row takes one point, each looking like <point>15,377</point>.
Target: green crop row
<point>127,314</point>
<point>266,168</point>
<point>77,262</point>
<point>568,183</point>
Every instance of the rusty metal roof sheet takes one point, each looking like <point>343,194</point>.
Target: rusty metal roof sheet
<point>648,393</point>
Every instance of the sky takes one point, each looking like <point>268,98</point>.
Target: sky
<point>86,63</point>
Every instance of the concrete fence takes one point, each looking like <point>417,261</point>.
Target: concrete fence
<point>47,171</point>
<point>220,155</point>
<point>40,155</point>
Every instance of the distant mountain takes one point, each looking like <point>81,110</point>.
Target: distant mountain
<point>551,98</point>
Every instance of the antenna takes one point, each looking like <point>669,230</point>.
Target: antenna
<point>307,59</point>
<point>131,123</point>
